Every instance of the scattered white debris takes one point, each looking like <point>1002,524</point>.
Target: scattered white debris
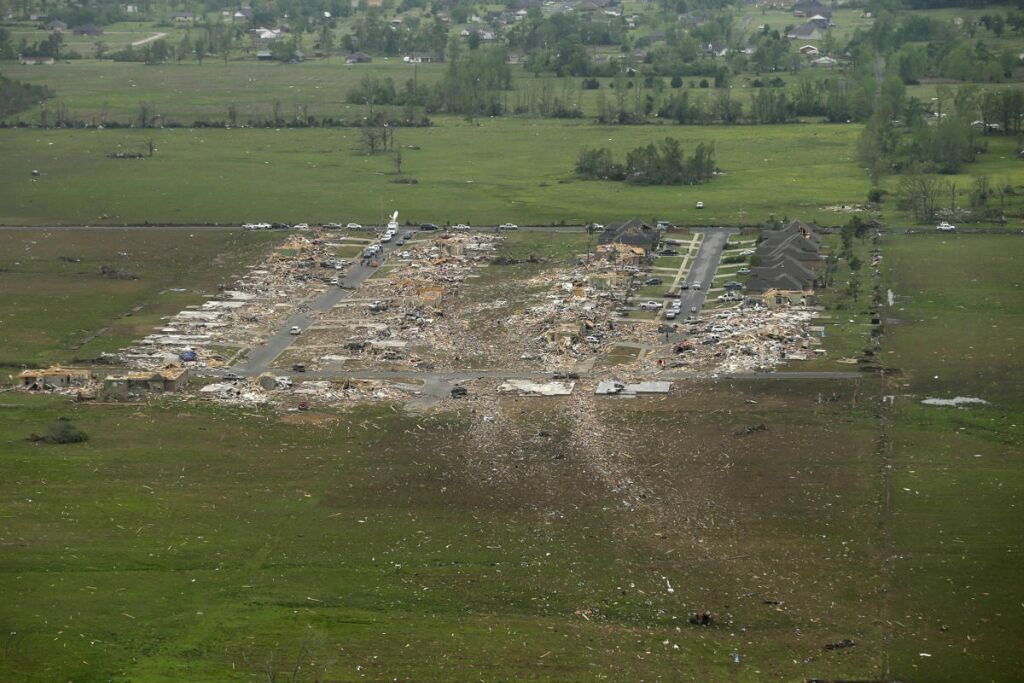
<point>954,402</point>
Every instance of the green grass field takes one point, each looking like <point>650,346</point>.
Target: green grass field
<point>502,169</point>
<point>211,556</point>
<point>56,310</point>
<point>955,522</point>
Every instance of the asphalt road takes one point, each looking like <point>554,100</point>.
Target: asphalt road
<point>703,268</point>
<point>259,358</point>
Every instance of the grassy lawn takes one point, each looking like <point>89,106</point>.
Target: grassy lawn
<point>58,310</point>
<point>210,555</point>
<point>502,169</point>
<point>956,522</point>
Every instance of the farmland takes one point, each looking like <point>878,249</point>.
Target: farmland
<point>487,173</point>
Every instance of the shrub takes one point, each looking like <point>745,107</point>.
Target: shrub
<point>61,431</point>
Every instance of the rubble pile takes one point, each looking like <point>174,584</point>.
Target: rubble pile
<point>570,319</point>
<point>281,392</point>
<point>746,339</point>
<point>243,314</point>
<point>410,309</point>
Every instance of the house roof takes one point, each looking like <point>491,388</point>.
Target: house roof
<point>805,31</point>
<point>633,232</point>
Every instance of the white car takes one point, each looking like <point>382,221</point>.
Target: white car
<point>650,306</point>
<point>671,314</point>
<point>508,226</point>
<point>700,205</point>
<point>295,330</point>
<point>461,227</point>
<point>593,340</point>
<point>354,226</point>
<point>301,226</point>
<point>945,227</point>
<point>695,285</point>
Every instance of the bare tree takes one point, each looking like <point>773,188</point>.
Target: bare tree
<point>920,195</point>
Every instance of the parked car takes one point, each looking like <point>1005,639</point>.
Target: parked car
<point>668,252</point>
<point>295,330</point>
<point>595,227</point>
<point>664,225</point>
<point>945,227</point>
<point>700,205</point>
<point>428,226</point>
<point>354,226</point>
<point>461,227</point>
<point>650,306</point>
<point>593,340</point>
<point>231,376</point>
<point>685,285</point>
<point>743,271</point>
<point>332,226</point>
<point>653,281</point>
<point>695,285</point>
<point>301,226</point>
<point>508,226</point>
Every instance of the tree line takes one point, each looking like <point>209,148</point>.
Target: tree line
<point>661,163</point>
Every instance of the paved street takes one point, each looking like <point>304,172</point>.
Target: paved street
<point>259,358</point>
<point>703,268</point>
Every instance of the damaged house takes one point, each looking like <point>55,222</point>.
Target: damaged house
<point>167,379</point>
<point>54,377</point>
<point>633,241</point>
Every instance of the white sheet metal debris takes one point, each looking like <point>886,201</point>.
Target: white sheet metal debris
<point>525,387</point>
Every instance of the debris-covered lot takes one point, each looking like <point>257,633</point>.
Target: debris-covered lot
<point>439,306</point>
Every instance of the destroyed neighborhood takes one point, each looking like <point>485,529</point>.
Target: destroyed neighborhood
<point>427,317</point>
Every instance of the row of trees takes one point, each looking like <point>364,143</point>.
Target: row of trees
<point>663,163</point>
<point>16,96</point>
<point>471,86</point>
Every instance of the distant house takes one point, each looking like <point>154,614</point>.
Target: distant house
<point>423,58</point>
<point>38,16</point>
<point>36,60</point>
<point>819,21</point>
<point>54,377</point>
<point>809,50</point>
<point>358,58</point>
<point>264,55</point>
<point>242,15</point>
<point>716,49</point>
<point>806,32</point>
<point>824,62</point>
<point>262,37</point>
<point>810,8</point>
<point>130,9</point>
<point>87,30</point>
<point>57,26</point>
<point>634,233</point>
<point>183,17</point>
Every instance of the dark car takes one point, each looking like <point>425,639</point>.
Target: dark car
<point>653,281</point>
<point>668,252</point>
<point>428,226</point>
